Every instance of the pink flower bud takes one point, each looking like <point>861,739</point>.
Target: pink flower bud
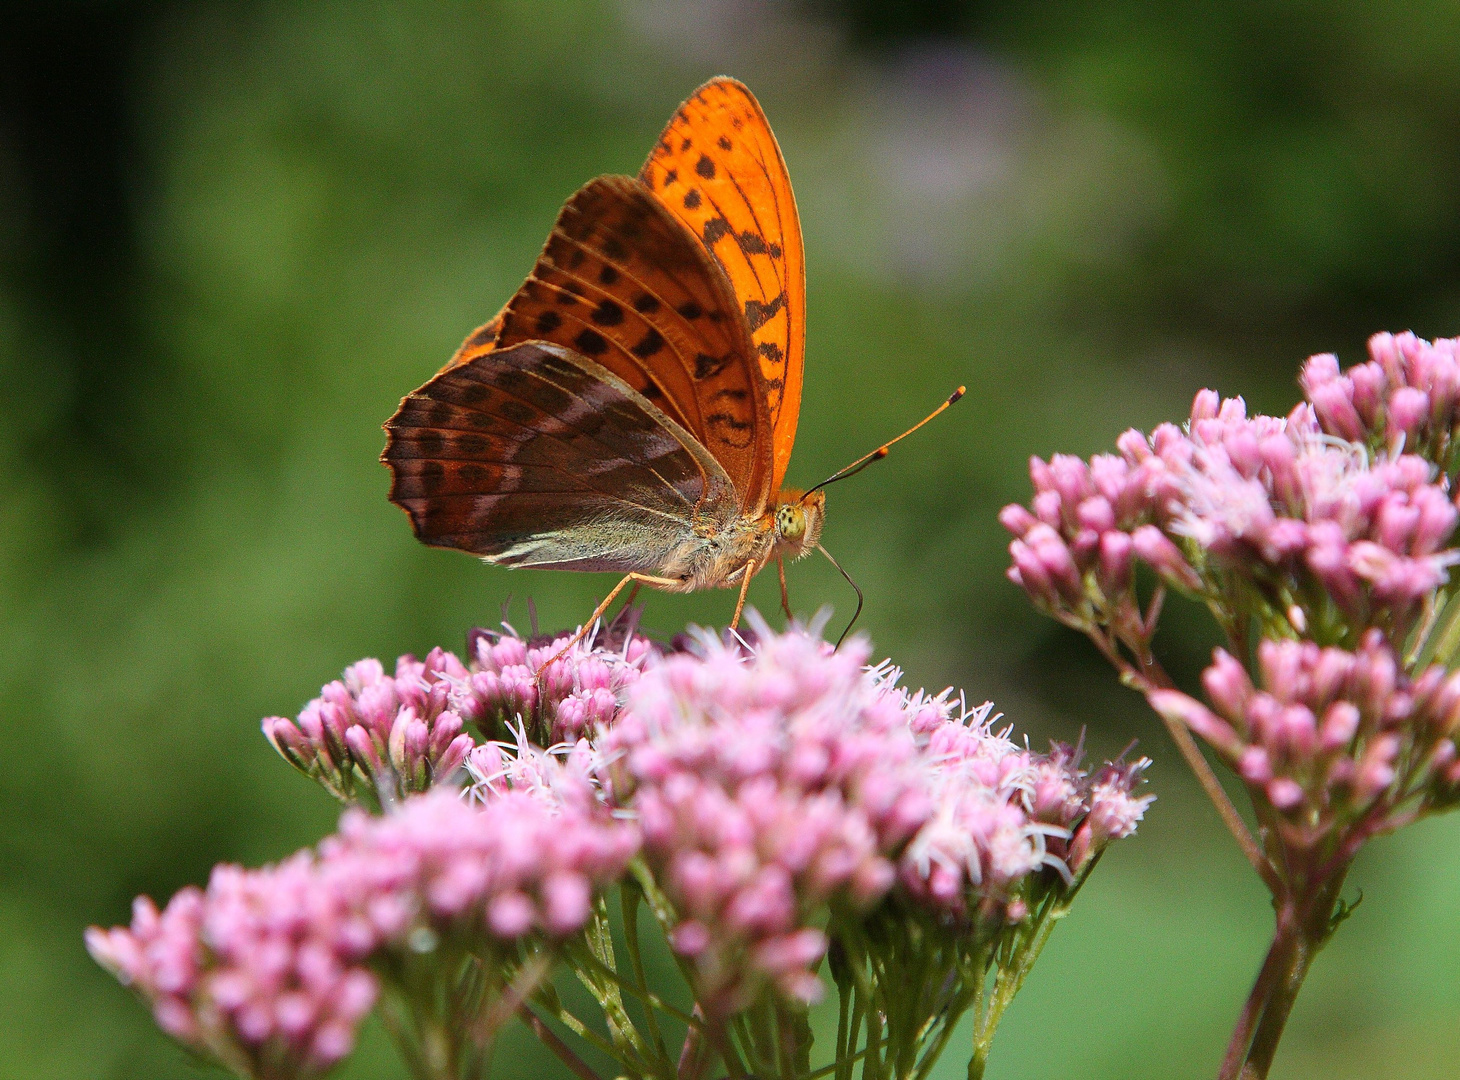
<point>1176,706</point>
<point>1157,551</point>
<point>1369,384</point>
<point>1206,405</point>
<point>1284,793</point>
<point>1408,409</point>
<point>1114,570</point>
<point>1333,401</point>
<point>1340,725</point>
<point>1133,445</point>
<point>1227,684</point>
<point>1017,519</point>
<point>1095,513</point>
<point>1255,766</point>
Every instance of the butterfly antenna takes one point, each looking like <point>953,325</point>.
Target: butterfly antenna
<point>856,614</point>
<point>881,452</point>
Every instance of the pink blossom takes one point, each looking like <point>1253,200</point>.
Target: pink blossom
<point>522,860</point>
<point>1328,735</point>
<point>773,784</point>
<point>260,971</point>
<point>766,785</point>
<point>579,690</point>
<point>1405,397</point>
<point>379,737</point>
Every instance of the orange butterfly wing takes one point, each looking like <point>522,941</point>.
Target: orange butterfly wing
<point>623,282</point>
<point>718,168</point>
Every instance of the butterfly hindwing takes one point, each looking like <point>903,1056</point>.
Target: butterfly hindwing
<point>718,169</point>
<point>532,455</point>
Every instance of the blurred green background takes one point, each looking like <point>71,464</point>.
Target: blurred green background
<point>233,233</point>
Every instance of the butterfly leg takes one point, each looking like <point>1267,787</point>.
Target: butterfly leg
<point>745,572</point>
<point>638,579</point>
<point>785,597</point>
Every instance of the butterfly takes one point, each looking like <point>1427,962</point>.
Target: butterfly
<point>633,407</point>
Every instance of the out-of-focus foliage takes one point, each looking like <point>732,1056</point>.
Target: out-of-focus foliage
<point>234,233</point>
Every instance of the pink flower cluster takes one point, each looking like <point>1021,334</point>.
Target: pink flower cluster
<point>378,736</point>
<point>1089,524</point>
<point>1002,813</point>
<point>525,862</point>
<point>269,971</point>
<point>766,787</point>
<point>1280,494</point>
<point>1331,735</point>
<point>1407,396</point>
<point>1273,500</point>
<point>775,785</point>
<point>579,690</point>
<point>264,971</point>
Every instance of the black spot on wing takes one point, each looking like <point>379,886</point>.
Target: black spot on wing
<point>771,351</point>
<point>707,365</point>
<point>691,199</point>
<point>705,167</point>
<point>690,310</point>
<point>714,229</point>
<point>518,412</point>
<point>650,344</point>
<point>608,275</point>
<point>590,343</point>
<point>607,313</point>
<point>723,143</point>
<point>758,314</point>
<point>646,304</point>
<point>548,321</point>
<point>752,243</point>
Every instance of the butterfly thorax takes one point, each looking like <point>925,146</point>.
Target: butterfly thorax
<point>719,551</point>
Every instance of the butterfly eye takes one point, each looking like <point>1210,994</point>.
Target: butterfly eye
<point>791,522</point>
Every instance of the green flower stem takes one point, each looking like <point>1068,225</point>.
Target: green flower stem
<point>547,999</point>
<point>1303,928</point>
<point>946,1025</point>
<point>610,1000</point>
<point>647,998</point>
<point>545,1035</point>
<point>629,897</point>
<point>490,1014</point>
<point>854,1031</point>
<point>396,1016</point>
<point>1010,977</point>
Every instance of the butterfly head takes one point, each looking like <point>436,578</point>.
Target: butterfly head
<point>798,520</point>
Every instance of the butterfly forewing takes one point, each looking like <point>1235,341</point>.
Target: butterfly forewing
<point>532,455</point>
<point>622,282</point>
<point>718,168</point>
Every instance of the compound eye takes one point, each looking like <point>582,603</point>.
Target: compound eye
<point>791,522</point>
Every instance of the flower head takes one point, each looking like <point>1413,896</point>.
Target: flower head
<point>260,971</point>
<point>579,689</point>
<point>1329,737</point>
<point>376,736</point>
<point>1406,397</point>
<point>767,786</point>
<point>1003,814</point>
<point>519,861</point>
